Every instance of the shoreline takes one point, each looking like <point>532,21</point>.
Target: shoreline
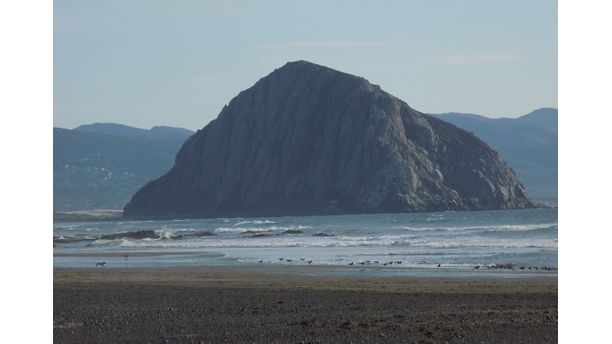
<point>298,271</point>
<point>122,261</point>
<point>261,274</point>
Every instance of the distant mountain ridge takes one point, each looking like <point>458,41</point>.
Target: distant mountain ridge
<point>99,166</point>
<point>528,143</point>
<point>115,129</point>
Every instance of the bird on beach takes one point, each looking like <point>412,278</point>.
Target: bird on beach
<point>302,259</point>
<point>289,260</point>
<point>351,263</point>
<point>438,265</point>
<point>261,260</point>
<point>522,267</point>
<point>309,262</point>
<point>281,258</point>
<point>477,267</point>
<point>100,263</point>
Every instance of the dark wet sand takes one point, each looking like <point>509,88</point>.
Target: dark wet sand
<point>287,305</point>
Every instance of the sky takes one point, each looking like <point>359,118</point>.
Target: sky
<point>154,62</point>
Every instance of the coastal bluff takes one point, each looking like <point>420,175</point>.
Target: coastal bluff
<point>311,140</point>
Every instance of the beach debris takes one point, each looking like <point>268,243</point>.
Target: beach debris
<point>302,259</point>
<point>100,263</point>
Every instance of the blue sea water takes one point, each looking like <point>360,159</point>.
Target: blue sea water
<point>456,241</point>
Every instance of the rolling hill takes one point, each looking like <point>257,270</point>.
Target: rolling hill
<point>528,143</point>
<point>100,166</point>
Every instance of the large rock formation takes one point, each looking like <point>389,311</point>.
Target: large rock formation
<point>308,139</point>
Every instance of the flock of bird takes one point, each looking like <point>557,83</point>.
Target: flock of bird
<point>365,262</point>
<point>376,262</point>
<point>289,260</point>
<point>512,267</point>
<point>369,262</point>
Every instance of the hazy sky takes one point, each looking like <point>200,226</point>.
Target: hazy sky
<point>156,62</point>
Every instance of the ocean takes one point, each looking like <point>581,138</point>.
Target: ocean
<point>501,243</point>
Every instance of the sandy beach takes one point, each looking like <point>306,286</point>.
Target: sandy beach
<point>297,304</point>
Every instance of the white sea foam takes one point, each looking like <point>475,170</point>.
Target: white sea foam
<point>521,228</point>
<point>254,222</point>
<point>289,227</point>
<point>488,228</point>
<point>258,229</point>
<point>66,228</point>
<point>185,229</point>
<point>345,241</point>
<point>436,217</point>
<point>238,229</point>
<point>165,233</point>
<point>499,243</point>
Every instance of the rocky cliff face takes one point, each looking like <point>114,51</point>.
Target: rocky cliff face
<point>308,139</point>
